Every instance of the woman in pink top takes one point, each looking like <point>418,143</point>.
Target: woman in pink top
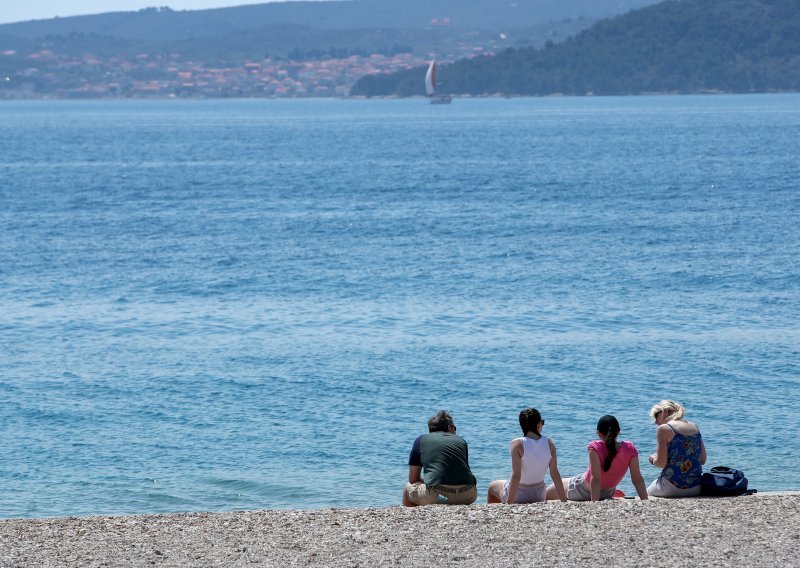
<point>608,462</point>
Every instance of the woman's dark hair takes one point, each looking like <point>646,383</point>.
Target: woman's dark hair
<point>609,428</point>
<point>440,422</point>
<point>529,420</point>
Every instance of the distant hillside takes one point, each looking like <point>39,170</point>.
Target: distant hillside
<point>160,24</point>
<point>280,49</point>
<point>291,41</point>
<point>300,43</point>
<point>305,30</point>
<point>675,46</point>
<point>8,42</point>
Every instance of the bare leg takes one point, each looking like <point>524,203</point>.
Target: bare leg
<point>552,494</point>
<point>406,501</point>
<point>495,492</point>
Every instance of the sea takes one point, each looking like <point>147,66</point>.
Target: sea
<point>217,305</point>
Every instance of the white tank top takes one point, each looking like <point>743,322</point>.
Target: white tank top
<point>535,459</point>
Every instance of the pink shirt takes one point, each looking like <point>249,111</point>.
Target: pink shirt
<point>611,478</point>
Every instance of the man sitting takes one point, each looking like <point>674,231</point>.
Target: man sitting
<point>438,467</point>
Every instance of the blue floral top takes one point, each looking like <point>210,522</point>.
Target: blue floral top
<point>683,468</point>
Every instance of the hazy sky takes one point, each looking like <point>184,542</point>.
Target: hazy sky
<point>19,10</point>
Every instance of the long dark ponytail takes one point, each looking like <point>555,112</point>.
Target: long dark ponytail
<point>609,428</point>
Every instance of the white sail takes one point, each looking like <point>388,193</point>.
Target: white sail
<point>430,79</point>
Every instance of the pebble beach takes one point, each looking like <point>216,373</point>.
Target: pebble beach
<point>755,530</point>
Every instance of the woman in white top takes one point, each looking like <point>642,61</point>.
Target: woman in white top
<point>532,456</point>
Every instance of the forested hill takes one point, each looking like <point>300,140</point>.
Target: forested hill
<point>163,24</point>
<point>676,46</point>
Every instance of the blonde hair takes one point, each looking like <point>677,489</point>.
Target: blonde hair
<point>675,410</point>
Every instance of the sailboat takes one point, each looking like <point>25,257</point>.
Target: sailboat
<point>430,87</point>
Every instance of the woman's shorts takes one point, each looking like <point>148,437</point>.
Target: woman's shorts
<point>536,493</point>
<point>663,488</point>
<point>577,490</point>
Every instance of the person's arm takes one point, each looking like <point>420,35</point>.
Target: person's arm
<point>659,459</point>
<point>555,475</point>
<point>702,452</point>
<point>517,449</point>
<point>414,471</point>
<point>415,462</point>
<point>637,479</point>
<point>596,468</point>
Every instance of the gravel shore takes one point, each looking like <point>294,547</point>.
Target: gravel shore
<point>757,530</point>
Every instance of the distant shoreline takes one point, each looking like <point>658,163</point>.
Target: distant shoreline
<point>393,97</point>
<point>757,530</point>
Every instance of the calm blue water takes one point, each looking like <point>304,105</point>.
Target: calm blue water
<point>218,305</point>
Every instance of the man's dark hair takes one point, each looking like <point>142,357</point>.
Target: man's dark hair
<point>529,420</point>
<point>440,422</point>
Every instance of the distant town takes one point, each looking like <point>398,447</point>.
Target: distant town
<point>48,74</point>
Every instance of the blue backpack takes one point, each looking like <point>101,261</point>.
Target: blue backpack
<point>724,482</point>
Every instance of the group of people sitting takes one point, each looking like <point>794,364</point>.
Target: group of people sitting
<point>439,472</point>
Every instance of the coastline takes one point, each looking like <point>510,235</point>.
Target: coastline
<point>757,530</point>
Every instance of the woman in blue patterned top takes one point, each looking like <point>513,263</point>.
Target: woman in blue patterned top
<point>681,453</point>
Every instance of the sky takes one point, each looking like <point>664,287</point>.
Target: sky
<point>20,10</point>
